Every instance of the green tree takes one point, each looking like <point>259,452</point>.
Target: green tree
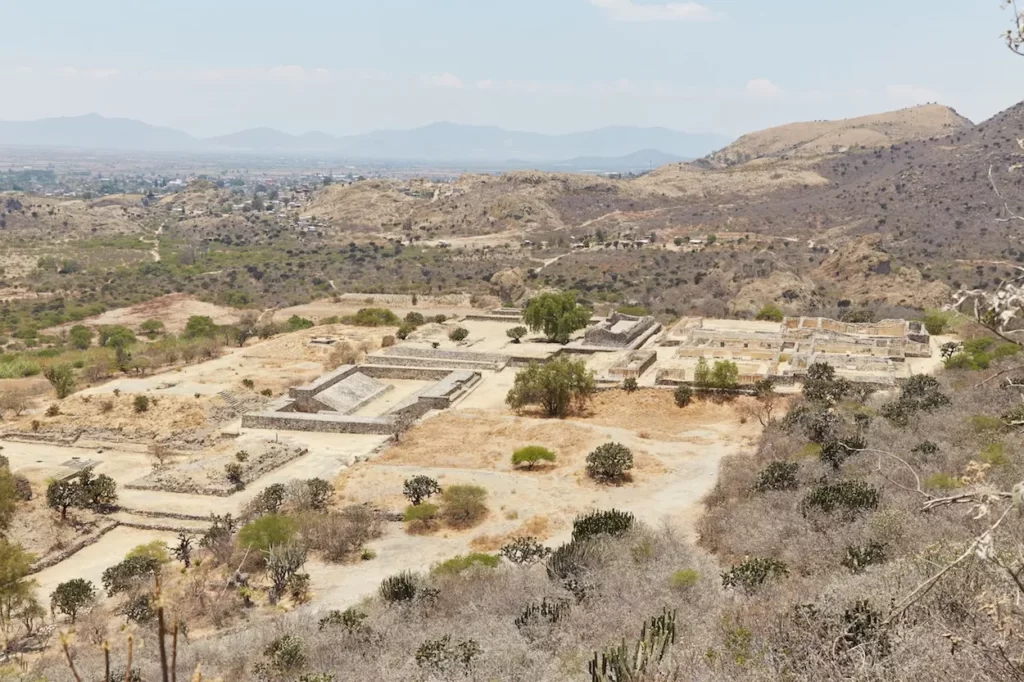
<point>558,386</point>
<point>9,497</point>
<point>531,455</point>
<point>557,315</point>
<point>80,336</point>
<point>96,492</point>
<point>200,327</point>
<point>62,378</point>
<point>770,313</point>
<point>702,374</point>
<point>72,596</point>
<point>725,374</point>
<point>112,335</point>
<point>119,338</point>
<point>152,327</point>
<point>516,333</point>
<point>936,321</point>
<point>15,564</point>
<point>61,496</point>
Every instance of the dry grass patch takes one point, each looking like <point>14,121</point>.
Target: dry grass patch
<point>653,414</point>
<point>479,440</point>
<point>539,527</point>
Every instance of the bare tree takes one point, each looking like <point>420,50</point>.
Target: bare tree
<point>1015,35</point>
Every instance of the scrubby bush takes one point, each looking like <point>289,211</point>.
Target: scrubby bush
<point>531,455</point>
<point>141,403</point>
<point>859,557</point>
<point>849,497</point>
<point>609,462</point>
<point>463,505</point>
<point>936,321</point>
<point>458,334</point>
<point>822,385</point>
<point>771,313</point>
<point>421,517</point>
<point>610,522</point>
<point>685,578</point>
<point>272,530</point>
<point>234,472</point>
<point>629,385</point>
<point>777,476</point>
<point>525,551</point>
<point>415,319</point>
<point>373,317</point>
<point>683,395</point>
<point>920,393</point>
<point>754,572</point>
<point>461,563</point>
<point>130,573</point>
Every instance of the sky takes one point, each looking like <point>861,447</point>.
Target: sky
<point>554,66</point>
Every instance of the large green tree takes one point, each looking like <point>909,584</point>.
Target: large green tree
<point>558,386</point>
<point>557,315</point>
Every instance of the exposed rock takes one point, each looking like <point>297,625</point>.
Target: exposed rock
<point>510,285</point>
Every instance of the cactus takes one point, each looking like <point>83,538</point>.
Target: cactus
<point>630,664</point>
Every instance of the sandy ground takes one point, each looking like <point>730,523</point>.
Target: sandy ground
<point>677,453</point>
<point>90,562</point>
<point>173,310</point>
<point>278,363</point>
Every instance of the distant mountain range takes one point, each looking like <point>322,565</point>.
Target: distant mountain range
<point>436,142</point>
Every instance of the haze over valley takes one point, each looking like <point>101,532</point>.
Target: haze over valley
<point>317,365</point>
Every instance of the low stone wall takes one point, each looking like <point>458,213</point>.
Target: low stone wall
<point>73,548</point>
<point>323,422</point>
<point>435,363</point>
<point>634,365</point>
<point>444,354</point>
<point>411,373</point>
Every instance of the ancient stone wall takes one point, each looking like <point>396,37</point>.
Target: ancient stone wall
<point>410,373</point>
<point>304,395</point>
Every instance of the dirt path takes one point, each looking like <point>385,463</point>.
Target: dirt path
<point>155,251</point>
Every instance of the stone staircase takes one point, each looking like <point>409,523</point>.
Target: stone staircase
<point>353,393</point>
<point>234,403</point>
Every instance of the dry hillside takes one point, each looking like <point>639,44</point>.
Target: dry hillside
<point>817,138</point>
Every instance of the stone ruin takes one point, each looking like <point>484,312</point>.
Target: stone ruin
<point>632,365</point>
<point>869,353</point>
<point>621,331</point>
<point>328,403</point>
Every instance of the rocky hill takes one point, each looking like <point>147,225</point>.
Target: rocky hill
<point>818,138</point>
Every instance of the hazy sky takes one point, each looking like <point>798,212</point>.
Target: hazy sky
<point>349,66</point>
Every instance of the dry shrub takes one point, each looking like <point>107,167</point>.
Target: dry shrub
<point>340,536</point>
<point>464,505</point>
<point>344,354</point>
